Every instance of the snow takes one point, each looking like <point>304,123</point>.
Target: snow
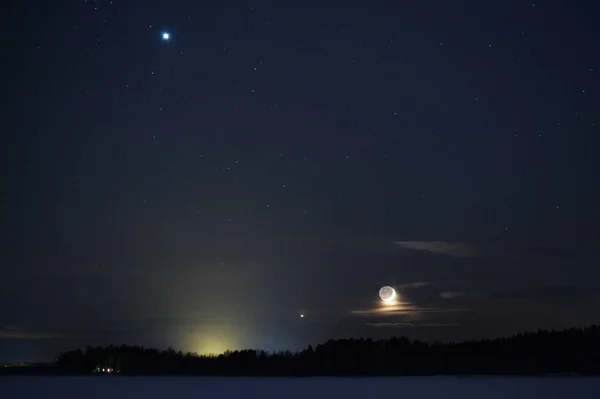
<point>296,388</point>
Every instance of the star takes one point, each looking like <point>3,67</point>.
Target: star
<point>166,36</point>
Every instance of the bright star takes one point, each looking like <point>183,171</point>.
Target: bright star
<point>166,36</point>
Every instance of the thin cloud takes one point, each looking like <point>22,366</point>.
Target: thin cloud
<point>548,252</point>
<point>451,294</point>
<point>439,325</point>
<point>552,293</point>
<point>454,249</point>
<point>403,310</point>
<point>463,250</point>
<point>395,325</point>
<point>12,333</point>
<point>418,284</point>
<point>410,325</point>
<point>15,333</point>
<point>427,310</point>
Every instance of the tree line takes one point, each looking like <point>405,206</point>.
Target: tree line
<point>572,351</point>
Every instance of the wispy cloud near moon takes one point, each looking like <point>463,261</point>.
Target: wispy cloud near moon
<point>451,294</point>
<point>454,249</point>
<point>418,284</point>
<point>395,325</point>
<point>403,309</point>
<point>463,250</point>
<point>558,293</point>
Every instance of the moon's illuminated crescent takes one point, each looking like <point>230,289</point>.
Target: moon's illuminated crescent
<point>387,294</point>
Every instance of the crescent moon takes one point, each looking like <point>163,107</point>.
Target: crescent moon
<point>387,294</point>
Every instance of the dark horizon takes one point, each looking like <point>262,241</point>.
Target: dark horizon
<point>51,359</point>
<point>250,173</point>
<point>595,327</point>
<point>569,352</point>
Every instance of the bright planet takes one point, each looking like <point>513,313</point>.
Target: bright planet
<point>387,293</point>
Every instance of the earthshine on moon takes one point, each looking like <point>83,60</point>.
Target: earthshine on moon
<point>387,294</point>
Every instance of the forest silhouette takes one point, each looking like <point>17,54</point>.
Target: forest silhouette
<point>574,351</point>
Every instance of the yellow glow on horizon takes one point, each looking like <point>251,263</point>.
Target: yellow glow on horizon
<point>214,346</point>
<point>212,343</point>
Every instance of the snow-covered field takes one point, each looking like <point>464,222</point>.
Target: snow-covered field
<point>296,388</point>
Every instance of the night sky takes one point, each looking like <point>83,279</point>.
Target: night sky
<point>254,177</point>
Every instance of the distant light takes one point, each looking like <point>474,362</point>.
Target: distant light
<point>103,370</point>
<point>301,315</point>
<point>166,36</point>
